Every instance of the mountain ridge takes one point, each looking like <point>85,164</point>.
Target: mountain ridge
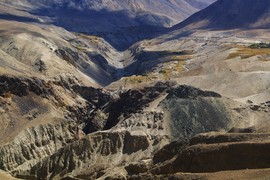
<point>230,14</point>
<point>121,23</point>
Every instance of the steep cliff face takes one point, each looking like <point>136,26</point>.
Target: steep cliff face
<point>221,149</point>
<point>97,151</point>
<point>32,101</point>
<point>40,117</point>
<point>36,143</point>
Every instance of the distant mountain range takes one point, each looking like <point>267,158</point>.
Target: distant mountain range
<point>231,14</point>
<point>121,22</point>
<point>157,13</point>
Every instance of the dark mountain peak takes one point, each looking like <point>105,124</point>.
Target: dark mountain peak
<point>231,14</point>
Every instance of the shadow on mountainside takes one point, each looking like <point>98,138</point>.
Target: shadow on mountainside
<point>9,17</point>
<point>230,14</point>
<point>120,28</point>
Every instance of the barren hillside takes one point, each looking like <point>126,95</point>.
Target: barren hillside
<point>103,90</point>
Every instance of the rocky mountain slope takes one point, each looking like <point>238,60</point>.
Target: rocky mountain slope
<point>170,11</point>
<point>214,59</point>
<point>120,22</point>
<point>133,133</point>
<point>211,152</point>
<point>51,53</point>
<point>191,104</point>
<point>231,14</point>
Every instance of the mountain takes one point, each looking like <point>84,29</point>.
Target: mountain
<point>231,14</point>
<point>200,4</point>
<point>173,11</point>
<point>191,103</point>
<point>121,22</point>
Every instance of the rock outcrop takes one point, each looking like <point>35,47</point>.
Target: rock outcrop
<point>210,152</point>
<point>176,112</point>
<point>36,143</point>
<point>52,115</point>
<point>101,149</point>
<point>21,86</point>
<point>192,111</point>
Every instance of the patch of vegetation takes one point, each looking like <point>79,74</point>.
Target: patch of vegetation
<point>170,63</point>
<point>175,53</point>
<point>179,67</point>
<point>162,71</point>
<point>166,55</point>
<point>174,65</point>
<point>81,48</point>
<point>168,70</point>
<point>166,73</point>
<point>137,79</point>
<point>180,57</point>
<point>259,45</point>
<point>93,39</point>
<point>246,52</point>
<point>180,62</point>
